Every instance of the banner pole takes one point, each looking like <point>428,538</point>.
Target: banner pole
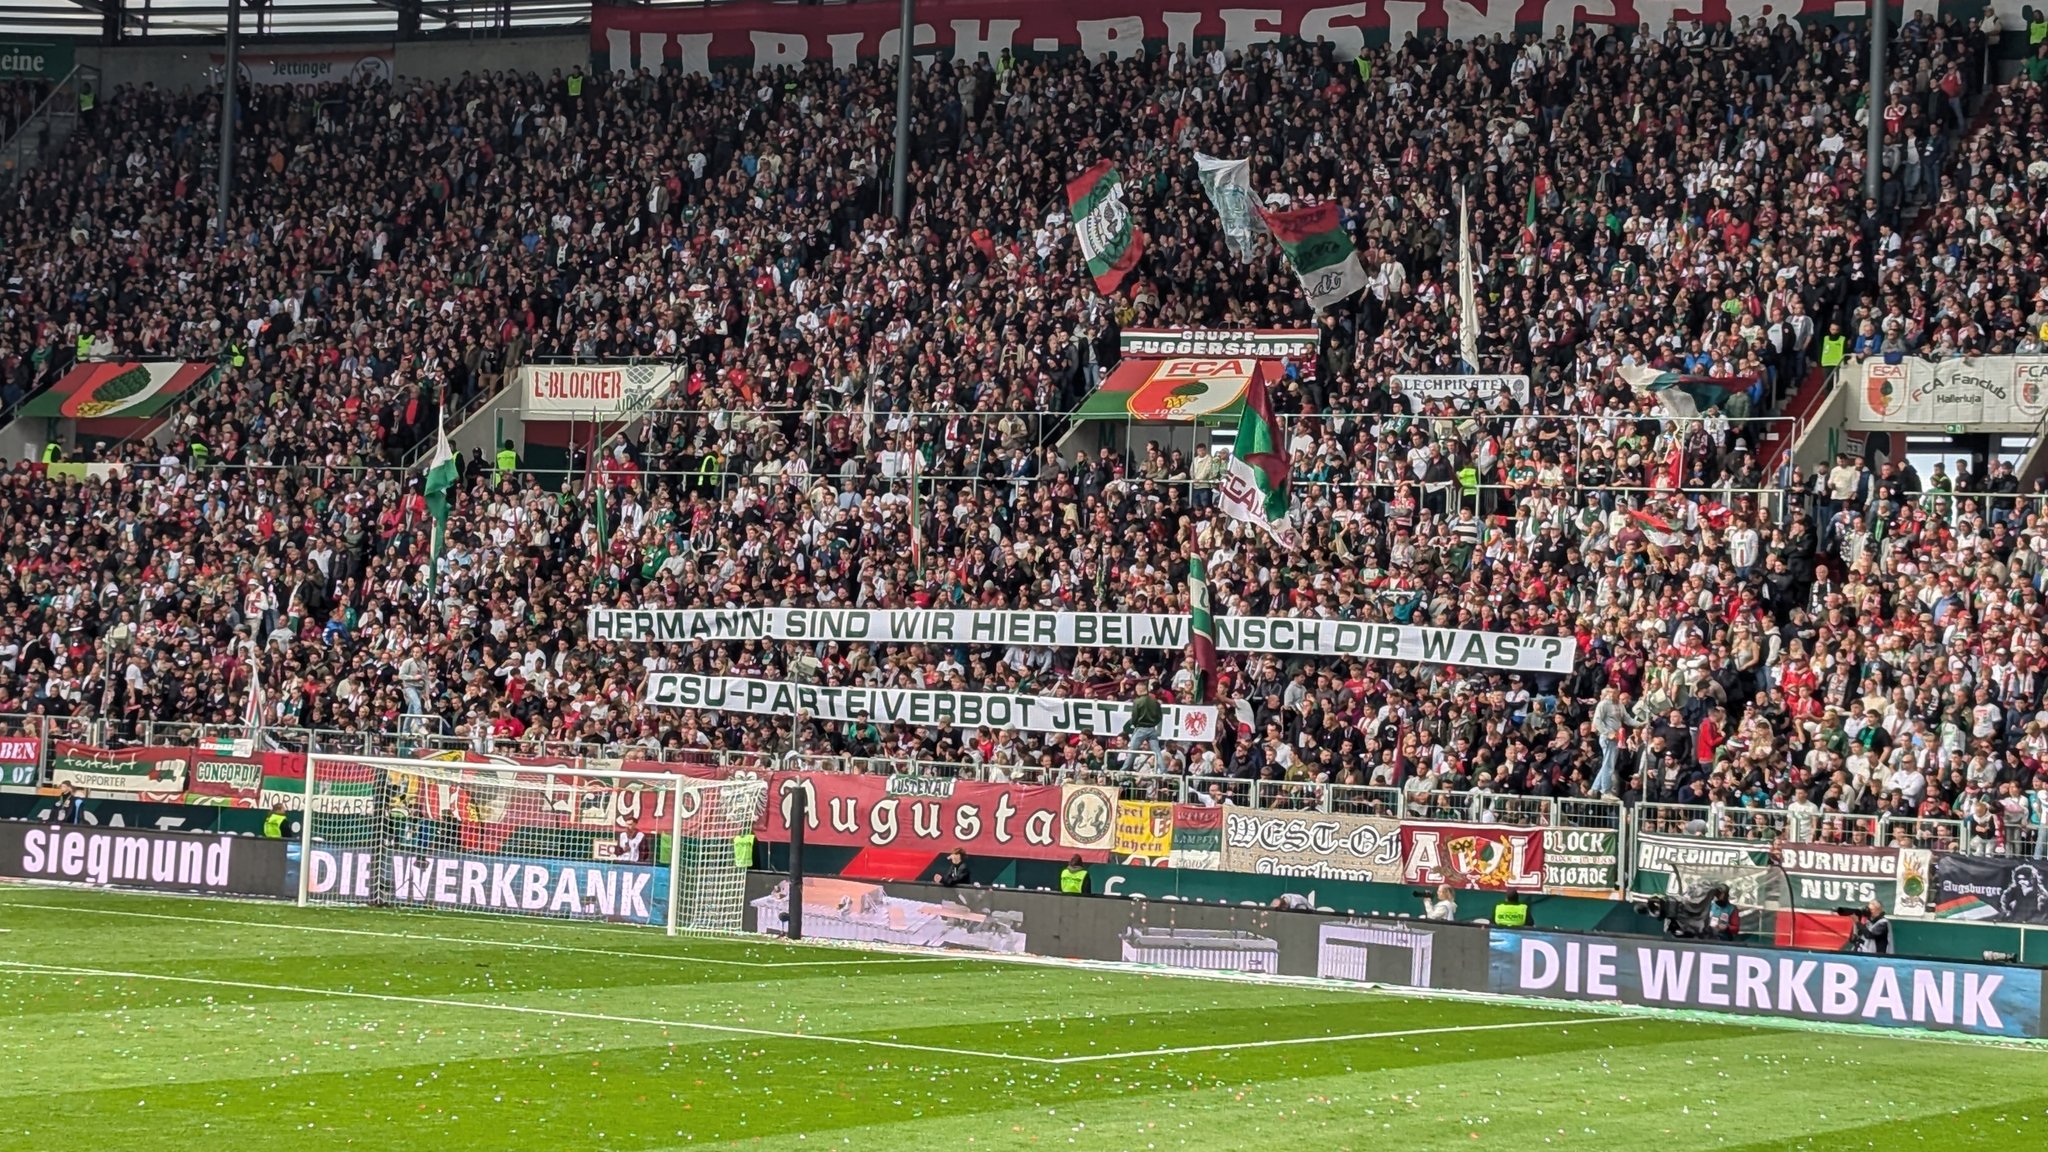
<point>799,813</point>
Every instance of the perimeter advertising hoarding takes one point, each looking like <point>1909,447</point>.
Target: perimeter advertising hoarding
<point>1843,988</point>
<point>213,864</point>
<point>572,889</point>
<point>1201,937</point>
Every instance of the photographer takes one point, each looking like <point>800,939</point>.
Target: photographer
<point>1444,906</point>
<point>1873,934</point>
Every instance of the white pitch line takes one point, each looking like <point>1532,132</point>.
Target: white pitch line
<point>1297,1040</point>
<point>487,941</point>
<point>22,968</point>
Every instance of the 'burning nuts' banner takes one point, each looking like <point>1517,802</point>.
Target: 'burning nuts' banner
<point>921,812</point>
<point>1322,845</point>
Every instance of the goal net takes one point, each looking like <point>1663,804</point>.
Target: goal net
<point>568,842</point>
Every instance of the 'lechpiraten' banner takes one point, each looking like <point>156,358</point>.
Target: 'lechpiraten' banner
<point>1473,856</point>
<point>1197,837</point>
<point>1144,832</point>
<point>2006,889</point>
<point>1452,387</point>
<point>156,773</point>
<point>1987,393</point>
<point>925,813</point>
<point>1322,845</point>
<point>592,391</point>
<point>758,35</point>
<point>920,706</point>
<point>1280,635</point>
<point>1816,877</point>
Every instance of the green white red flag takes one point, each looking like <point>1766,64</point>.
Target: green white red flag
<point>1319,249</point>
<point>1103,229</point>
<point>1201,631</point>
<point>1254,486</point>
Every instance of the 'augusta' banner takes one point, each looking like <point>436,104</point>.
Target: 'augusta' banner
<point>919,706</point>
<point>1280,635</point>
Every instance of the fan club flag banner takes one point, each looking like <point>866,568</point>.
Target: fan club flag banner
<point>1996,393</point>
<point>1144,832</point>
<point>1278,635</point>
<point>758,35</point>
<point>117,389</point>
<point>1228,184</point>
<point>1320,251</point>
<point>1492,856</point>
<point>1254,485</point>
<point>1217,344</point>
<point>1481,388</point>
<point>2008,890</point>
<point>1320,845</point>
<point>1816,877</point>
<point>920,706</point>
<point>1886,991</point>
<point>1197,837</point>
<point>937,815</point>
<point>157,773</point>
<point>1109,241</point>
<point>592,391</point>
<point>20,762</point>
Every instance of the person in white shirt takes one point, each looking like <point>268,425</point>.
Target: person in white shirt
<point>1444,906</point>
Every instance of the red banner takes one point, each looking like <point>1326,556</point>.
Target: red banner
<point>1472,856</point>
<point>935,813</point>
<point>768,35</point>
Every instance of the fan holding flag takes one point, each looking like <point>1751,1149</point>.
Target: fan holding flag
<point>1254,487</point>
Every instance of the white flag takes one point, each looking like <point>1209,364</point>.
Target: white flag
<point>1468,296</point>
<point>1229,185</point>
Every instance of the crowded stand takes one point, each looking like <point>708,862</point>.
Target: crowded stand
<point>1781,650</point>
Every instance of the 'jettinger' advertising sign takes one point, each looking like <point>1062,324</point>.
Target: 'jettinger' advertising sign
<point>922,707</point>
<point>1852,989</point>
<point>1279,635</point>
<point>1319,845</point>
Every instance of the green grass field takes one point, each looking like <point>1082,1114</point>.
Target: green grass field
<point>138,1022</point>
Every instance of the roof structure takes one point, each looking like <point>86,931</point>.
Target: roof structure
<point>139,20</point>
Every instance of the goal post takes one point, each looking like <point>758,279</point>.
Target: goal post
<point>575,842</point>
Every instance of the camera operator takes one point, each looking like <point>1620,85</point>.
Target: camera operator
<point>1724,919</point>
<point>1444,906</point>
<point>1873,934</point>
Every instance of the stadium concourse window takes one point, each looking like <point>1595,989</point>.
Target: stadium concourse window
<point>868,416</point>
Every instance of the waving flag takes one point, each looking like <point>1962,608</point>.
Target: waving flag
<point>442,474</point>
<point>1320,250</point>
<point>1254,487</point>
<point>1468,291</point>
<point>1661,533</point>
<point>1229,185</point>
<point>1683,394</point>
<point>1202,630</point>
<point>1103,229</point>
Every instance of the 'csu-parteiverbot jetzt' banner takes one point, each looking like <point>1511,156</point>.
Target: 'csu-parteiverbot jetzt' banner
<point>763,35</point>
<point>920,706</point>
<point>1280,635</point>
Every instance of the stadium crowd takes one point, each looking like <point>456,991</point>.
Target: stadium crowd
<point>1688,200</point>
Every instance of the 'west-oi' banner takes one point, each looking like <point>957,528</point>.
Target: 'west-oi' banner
<point>921,707</point>
<point>1280,635</point>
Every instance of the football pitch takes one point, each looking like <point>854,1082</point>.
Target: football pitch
<point>145,1022</point>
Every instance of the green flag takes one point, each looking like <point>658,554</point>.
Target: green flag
<point>1254,487</point>
<point>442,475</point>
<point>1201,630</point>
<point>1319,248</point>
<point>1109,241</point>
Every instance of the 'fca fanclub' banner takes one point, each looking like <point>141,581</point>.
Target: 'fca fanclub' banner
<point>762,35</point>
<point>919,706</point>
<point>1848,989</point>
<point>1279,635</point>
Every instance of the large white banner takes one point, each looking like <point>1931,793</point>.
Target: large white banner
<point>1454,387</point>
<point>291,69</point>
<point>920,706</point>
<point>1986,394</point>
<point>1281,635</point>
<point>592,391</point>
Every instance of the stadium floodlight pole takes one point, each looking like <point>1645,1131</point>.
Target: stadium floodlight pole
<point>1873,108</point>
<point>231,67</point>
<point>905,37</point>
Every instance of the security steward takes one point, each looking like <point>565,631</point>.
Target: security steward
<point>273,824</point>
<point>1511,912</point>
<point>1074,878</point>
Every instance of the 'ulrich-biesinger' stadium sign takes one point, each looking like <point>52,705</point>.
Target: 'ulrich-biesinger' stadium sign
<point>1280,635</point>
<point>923,707</point>
<point>625,37</point>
